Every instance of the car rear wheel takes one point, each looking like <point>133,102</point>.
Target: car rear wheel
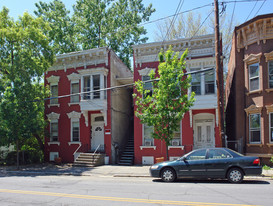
<point>168,175</point>
<point>235,175</point>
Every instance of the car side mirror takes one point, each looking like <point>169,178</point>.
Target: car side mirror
<point>184,159</point>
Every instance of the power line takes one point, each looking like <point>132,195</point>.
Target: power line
<point>114,87</point>
<point>260,8</point>
<point>251,10</point>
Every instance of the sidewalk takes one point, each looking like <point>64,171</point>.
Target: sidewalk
<point>68,169</point>
<point>104,170</point>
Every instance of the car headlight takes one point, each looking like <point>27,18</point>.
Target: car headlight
<point>154,167</point>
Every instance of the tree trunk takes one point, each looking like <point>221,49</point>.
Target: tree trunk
<point>40,142</point>
<point>167,151</point>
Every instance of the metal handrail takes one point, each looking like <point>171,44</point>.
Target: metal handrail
<point>97,149</point>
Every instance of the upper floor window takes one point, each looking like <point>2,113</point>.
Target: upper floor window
<point>92,85</point>
<point>54,93</point>
<point>254,82</point>
<point>203,82</point>
<point>254,128</point>
<point>75,89</point>
<point>196,83</point>
<point>147,85</point>
<point>209,82</point>
<point>270,73</point>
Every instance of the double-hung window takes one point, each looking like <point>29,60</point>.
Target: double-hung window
<point>54,93</point>
<point>75,125</point>
<point>270,73</point>
<point>75,90</point>
<point>176,141</point>
<point>209,82</point>
<point>254,82</point>
<point>54,131</point>
<point>196,82</point>
<point>92,85</point>
<point>148,86</point>
<point>255,128</point>
<point>147,135</point>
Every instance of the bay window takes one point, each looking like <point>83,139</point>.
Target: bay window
<point>92,84</point>
<point>203,83</point>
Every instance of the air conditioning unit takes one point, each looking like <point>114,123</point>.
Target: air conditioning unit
<point>148,142</point>
<point>175,142</point>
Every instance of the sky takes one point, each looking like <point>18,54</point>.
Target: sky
<point>242,10</point>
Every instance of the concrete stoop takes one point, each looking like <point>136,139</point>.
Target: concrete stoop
<point>89,160</point>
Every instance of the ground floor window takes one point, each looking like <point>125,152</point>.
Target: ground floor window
<point>255,128</point>
<point>75,131</point>
<point>147,135</point>
<point>54,131</point>
<point>176,141</point>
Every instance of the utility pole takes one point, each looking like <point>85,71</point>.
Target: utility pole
<point>219,76</point>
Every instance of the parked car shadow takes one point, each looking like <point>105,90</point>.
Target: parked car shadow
<point>214,181</point>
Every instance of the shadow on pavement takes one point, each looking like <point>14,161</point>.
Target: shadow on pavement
<point>217,181</point>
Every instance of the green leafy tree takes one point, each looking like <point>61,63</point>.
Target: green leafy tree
<point>62,35</point>
<point>164,107</point>
<point>96,23</point>
<point>25,55</point>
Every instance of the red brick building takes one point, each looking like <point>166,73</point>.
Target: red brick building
<point>96,118</point>
<point>249,88</point>
<point>199,127</point>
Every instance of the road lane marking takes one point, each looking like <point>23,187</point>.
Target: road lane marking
<point>117,199</point>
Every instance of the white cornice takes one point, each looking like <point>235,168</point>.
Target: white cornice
<point>94,70</point>
<point>73,77</point>
<point>53,79</point>
<point>53,116</point>
<point>74,115</point>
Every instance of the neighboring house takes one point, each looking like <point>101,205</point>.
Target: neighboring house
<point>249,88</point>
<point>199,127</point>
<point>94,119</point>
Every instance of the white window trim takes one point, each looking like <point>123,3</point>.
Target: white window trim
<point>180,139</point>
<point>74,117</point>
<point>203,82</point>
<point>143,140</point>
<point>257,77</point>
<point>250,142</point>
<point>53,117</point>
<point>102,75</point>
<point>74,82</point>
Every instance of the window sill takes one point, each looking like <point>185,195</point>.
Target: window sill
<point>255,145</point>
<point>270,144</point>
<point>148,147</point>
<point>176,147</point>
<point>269,90</point>
<point>74,103</point>
<point>254,92</point>
<point>70,143</point>
<point>50,143</point>
<point>53,105</point>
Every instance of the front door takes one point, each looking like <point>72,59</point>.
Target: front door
<point>203,134</point>
<point>97,136</point>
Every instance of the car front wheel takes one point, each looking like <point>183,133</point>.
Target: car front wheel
<point>235,175</point>
<point>168,175</point>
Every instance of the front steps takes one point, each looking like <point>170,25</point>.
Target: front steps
<point>127,157</point>
<point>89,160</point>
